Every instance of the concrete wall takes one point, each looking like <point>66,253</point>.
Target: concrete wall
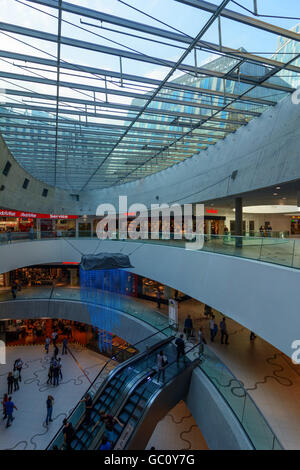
<point>265,152</point>
<point>218,424</point>
<point>15,197</point>
<point>260,296</point>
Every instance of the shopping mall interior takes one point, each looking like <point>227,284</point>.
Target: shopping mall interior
<point>149,225</point>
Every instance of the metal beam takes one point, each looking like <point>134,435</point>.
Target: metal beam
<point>134,78</point>
<point>235,16</point>
<point>129,107</point>
<point>72,112</point>
<point>132,55</point>
<point>200,4</point>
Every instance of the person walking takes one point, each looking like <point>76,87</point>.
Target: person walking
<point>31,233</point>
<point>65,346</point>
<point>10,382</point>
<point>4,401</point>
<point>180,347</point>
<point>158,298</point>
<point>56,375</point>
<point>56,351</point>
<point>88,408</point>
<point>9,236</point>
<point>19,366</point>
<point>54,337</point>
<point>69,332</point>
<point>212,328</point>
<point>188,326</point>
<point>49,406</point>
<point>10,407</point>
<point>261,231</point>
<point>47,344</point>
<point>69,434</point>
<point>14,289</point>
<point>162,362</point>
<point>50,375</point>
<point>59,365</point>
<point>16,380</point>
<point>201,341</point>
<point>224,333</point>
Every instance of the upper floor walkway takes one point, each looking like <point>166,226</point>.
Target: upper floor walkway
<point>253,284</point>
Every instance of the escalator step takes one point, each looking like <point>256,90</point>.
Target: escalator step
<point>124,417</point>
<point>118,428</point>
<point>129,407</point>
<point>135,398</point>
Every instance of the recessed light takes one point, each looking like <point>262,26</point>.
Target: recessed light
<point>277,187</point>
<point>275,194</point>
<point>284,198</point>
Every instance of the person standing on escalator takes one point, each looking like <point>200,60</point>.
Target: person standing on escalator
<point>180,347</point>
<point>110,422</point>
<point>69,434</point>
<point>162,362</point>
<point>88,408</point>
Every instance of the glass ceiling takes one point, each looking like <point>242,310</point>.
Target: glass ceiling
<point>96,93</point>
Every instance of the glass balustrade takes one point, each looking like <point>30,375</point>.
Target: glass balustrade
<point>275,248</point>
<point>240,402</point>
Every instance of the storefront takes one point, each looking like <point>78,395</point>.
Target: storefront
<point>295,225</point>
<point>42,224</point>
<point>41,276</point>
<point>28,332</point>
<point>16,224</point>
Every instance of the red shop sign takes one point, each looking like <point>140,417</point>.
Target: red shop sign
<point>34,215</point>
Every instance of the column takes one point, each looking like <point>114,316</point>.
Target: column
<point>38,229</point>
<point>238,222</point>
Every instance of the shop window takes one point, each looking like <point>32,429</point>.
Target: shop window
<point>45,192</point>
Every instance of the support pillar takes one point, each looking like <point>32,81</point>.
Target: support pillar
<point>238,222</point>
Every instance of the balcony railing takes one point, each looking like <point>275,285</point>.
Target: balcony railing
<point>274,248</point>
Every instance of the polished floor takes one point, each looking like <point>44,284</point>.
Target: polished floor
<point>28,430</point>
<point>177,431</point>
<point>269,376</point>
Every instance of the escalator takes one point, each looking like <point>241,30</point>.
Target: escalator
<point>132,393</point>
<point>148,400</point>
<point>115,389</point>
<point>110,383</point>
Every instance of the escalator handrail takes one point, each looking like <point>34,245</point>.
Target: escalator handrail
<point>98,375</point>
<point>162,385</point>
<point>135,358</point>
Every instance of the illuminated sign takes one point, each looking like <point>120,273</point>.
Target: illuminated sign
<point>35,215</point>
<point>212,211</point>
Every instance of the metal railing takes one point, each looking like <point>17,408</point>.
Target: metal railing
<point>276,248</point>
<point>79,409</point>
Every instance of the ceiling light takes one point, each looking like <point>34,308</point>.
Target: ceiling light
<point>277,187</point>
<point>275,194</point>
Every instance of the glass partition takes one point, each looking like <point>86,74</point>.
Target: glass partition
<point>240,402</point>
